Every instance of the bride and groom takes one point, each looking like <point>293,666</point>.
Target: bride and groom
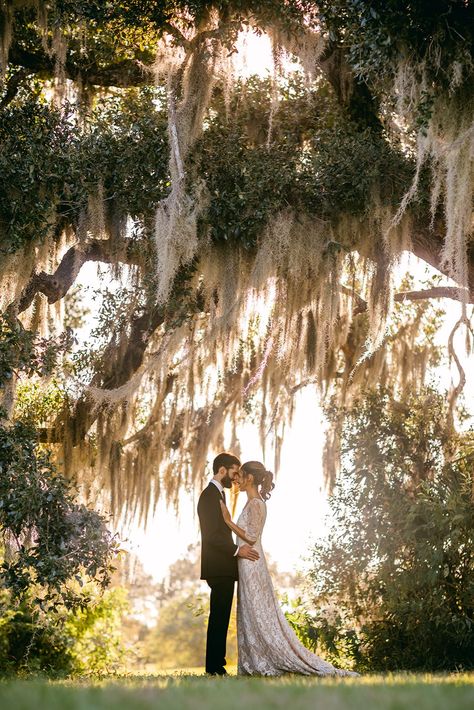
<point>267,645</point>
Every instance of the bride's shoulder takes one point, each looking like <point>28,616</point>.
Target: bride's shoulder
<point>257,502</point>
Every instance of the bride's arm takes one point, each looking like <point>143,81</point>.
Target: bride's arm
<point>235,528</point>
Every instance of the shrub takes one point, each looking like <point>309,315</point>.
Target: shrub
<point>394,577</point>
<point>55,561</point>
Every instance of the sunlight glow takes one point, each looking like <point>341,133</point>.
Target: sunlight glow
<point>298,504</point>
<point>253,56</point>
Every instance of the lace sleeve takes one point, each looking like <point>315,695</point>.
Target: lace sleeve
<point>256,518</point>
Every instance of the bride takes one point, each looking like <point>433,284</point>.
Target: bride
<point>267,644</point>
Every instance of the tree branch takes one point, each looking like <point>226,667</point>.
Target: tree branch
<point>123,73</point>
<point>457,389</point>
<point>55,286</point>
<point>435,292</point>
<point>427,244</point>
<point>118,364</point>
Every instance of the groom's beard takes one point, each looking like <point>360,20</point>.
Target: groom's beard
<point>227,481</point>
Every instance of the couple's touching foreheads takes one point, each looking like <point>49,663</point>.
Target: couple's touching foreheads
<point>267,645</point>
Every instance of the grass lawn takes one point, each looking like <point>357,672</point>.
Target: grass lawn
<point>185,691</point>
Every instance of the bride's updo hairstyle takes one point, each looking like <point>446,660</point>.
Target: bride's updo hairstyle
<point>263,479</point>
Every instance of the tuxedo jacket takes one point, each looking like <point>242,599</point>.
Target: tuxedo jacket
<point>217,546</point>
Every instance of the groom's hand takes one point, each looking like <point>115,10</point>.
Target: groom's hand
<point>248,553</point>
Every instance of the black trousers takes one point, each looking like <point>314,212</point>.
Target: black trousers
<point>222,592</point>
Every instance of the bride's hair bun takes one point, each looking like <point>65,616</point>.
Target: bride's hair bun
<point>267,485</point>
<point>263,479</point>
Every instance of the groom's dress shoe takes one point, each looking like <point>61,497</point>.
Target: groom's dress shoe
<point>220,671</point>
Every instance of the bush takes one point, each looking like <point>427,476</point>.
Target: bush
<point>56,560</point>
<point>62,643</point>
<point>29,644</point>
<point>394,578</point>
<point>95,633</point>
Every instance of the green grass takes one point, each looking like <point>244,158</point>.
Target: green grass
<point>186,691</point>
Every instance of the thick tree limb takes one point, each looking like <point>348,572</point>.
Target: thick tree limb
<point>435,292</point>
<point>352,93</point>
<point>451,292</point>
<point>55,286</point>
<point>118,363</point>
<point>123,73</point>
<point>428,244</point>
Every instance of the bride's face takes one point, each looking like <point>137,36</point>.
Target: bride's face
<point>242,481</point>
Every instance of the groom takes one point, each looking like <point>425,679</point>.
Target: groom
<point>219,559</point>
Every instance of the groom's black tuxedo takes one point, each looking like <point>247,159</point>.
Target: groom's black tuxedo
<point>218,548</point>
<point>219,569</point>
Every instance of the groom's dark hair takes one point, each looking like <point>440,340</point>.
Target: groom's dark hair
<point>226,460</point>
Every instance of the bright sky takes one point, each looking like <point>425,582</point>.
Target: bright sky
<point>253,55</point>
<point>294,512</point>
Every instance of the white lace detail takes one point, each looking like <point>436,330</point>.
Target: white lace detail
<point>267,644</point>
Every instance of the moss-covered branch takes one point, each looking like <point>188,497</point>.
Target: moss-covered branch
<point>55,286</point>
<point>122,73</point>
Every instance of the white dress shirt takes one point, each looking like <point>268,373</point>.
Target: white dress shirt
<point>218,485</point>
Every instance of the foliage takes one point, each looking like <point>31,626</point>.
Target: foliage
<point>22,351</point>
<point>125,149</point>
<point>179,637</point>
<point>347,164</point>
<point>134,13</point>
<point>246,184</point>
<point>38,403</point>
<point>317,631</point>
<point>95,633</point>
<point>122,156</point>
<point>211,189</point>
<point>50,165</point>
<point>377,32</point>
<point>316,161</point>
<point>35,143</point>
<point>29,644</point>
<point>53,539</point>
<point>52,546</point>
<point>117,309</point>
<point>63,642</point>
<point>394,577</point>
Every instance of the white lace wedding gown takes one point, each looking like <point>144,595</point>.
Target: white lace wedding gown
<point>267,644</point>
